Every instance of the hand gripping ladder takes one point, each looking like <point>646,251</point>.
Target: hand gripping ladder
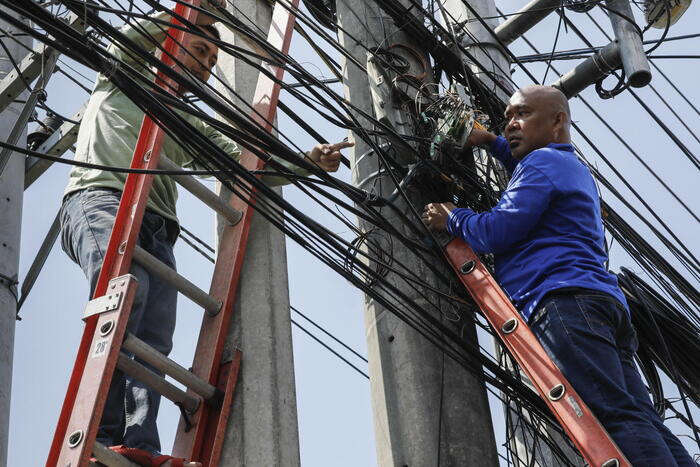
<point>582,427</point>
<point>210,382</point>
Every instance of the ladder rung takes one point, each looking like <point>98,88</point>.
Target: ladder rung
<point>169,275</point>
<point>199,190</point>
<point>109,458</point>
<point>162,363</point>
<point>156,382</point>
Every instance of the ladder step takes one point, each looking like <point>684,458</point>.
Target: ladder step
<point>109,458</point>
<point>198,189</point>
<point>156,382</point>
<point>159,361</point>
<point>169,275</point>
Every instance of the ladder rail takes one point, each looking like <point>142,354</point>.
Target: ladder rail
<point>580,424</point>
<point>126,228</point>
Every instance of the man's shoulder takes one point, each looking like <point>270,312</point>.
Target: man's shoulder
<point>553,161</point>
<point>562,168</point>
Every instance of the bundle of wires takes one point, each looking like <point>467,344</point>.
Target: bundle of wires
<point>666,336</point>
<point>376,270</point>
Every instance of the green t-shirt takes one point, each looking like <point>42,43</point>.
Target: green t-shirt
<point>110,128</point>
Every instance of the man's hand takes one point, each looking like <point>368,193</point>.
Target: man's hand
<point>480,137</point>
<point>435,215</point>
<point>327,156</point>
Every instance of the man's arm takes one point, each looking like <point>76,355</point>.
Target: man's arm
<point>508,223</point>
<point>326,156</point>
<point>498,147</point>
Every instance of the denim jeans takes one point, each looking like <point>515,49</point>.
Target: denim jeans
<point>87,217</point>
<point>591,339</point>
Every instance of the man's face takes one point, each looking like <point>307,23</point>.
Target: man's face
<point>529,124</point>
<point>202,56</point>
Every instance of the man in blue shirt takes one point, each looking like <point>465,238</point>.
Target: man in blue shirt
<point>547,239</point>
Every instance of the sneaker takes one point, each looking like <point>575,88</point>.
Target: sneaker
<point>655,11</point>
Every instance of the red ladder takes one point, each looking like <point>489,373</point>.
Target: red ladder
<point>210,382</point>
<point>582,427</point>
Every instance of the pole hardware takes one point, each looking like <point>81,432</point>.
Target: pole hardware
<point>528,16</point>
<point>611,463</point>
<point>628,35</point>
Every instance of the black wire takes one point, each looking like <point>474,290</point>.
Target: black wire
<point>347,362</point>
<point>300,225</point>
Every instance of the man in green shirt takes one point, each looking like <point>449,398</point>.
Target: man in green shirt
<point>107,136</point>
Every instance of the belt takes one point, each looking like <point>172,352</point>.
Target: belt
<point>90,188</point>
<point>568,291</point>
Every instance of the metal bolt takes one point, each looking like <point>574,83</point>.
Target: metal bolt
<point>467,267</point>
<point>509,326</point>
<point>106,328</point>
<point>75,438</point>
<point>557,392</point>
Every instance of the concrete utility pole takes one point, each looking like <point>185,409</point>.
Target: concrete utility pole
<point>428,410</point>
<point>11,193</point>
<point>262,426</point>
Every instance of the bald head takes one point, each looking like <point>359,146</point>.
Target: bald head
<point>535,117</point>
<point>548,96</point>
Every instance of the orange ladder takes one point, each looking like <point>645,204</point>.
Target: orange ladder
<point>210,382</point>
<point>582,427</point>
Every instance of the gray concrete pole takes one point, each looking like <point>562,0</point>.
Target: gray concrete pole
<point>262,429</point>
<point>11,192</point>
<point>428,410</point>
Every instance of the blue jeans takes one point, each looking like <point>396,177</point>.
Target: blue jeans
<point>87,217</point>
<point>591,339</point>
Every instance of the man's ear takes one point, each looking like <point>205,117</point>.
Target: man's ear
<point>560,121</point>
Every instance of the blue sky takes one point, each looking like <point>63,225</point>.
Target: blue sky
<point>333,400</point>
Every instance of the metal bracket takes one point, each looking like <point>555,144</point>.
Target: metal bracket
<point>101,304</point>
<point>385,108</point>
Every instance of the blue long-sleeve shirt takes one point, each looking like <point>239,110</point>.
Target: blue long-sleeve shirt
<point>546,231</point>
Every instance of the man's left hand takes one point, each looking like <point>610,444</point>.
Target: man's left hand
<point>327,156</point>
<point>435,215</point>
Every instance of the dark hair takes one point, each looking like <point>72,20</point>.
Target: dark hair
<point>212,30</point>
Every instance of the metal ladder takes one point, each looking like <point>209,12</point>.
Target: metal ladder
<point>210,382</point>
<point>582,427</point>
